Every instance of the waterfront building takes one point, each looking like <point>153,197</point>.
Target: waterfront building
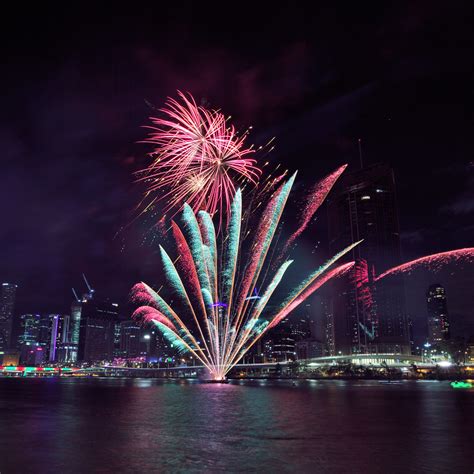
<point>97,330</point>
<point>279,344</point>
<point>321,321</point>
<point>137,341</point>
<point>7,306</point>
<point>130,344</point>
<point>363,205</point>
<point>46,333</point>
<point>70,349</point>
<point>30,329</point>
<point>438,321</point>
<point>299,326</point>
<point>59,327</point>
<point>118,352</point>
<point>309,349</point>
<point>32,350</point>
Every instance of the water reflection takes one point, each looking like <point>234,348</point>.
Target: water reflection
<point>137,425</point>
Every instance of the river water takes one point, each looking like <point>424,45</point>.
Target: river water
<point>145,425</point>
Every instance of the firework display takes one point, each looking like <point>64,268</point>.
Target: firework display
<point>365,285</point>
<point>315,198</point>
<point>216,312</point>
<point>218,289</point>
<point>198,159</point>
<point>433,262</point>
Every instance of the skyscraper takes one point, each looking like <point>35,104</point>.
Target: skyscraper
<point>58,336</point>
<point>363,206</point>
<point>322,321</point>
<point>137,341</point>
<point>32,352</point>
<point>7,305</point>
<point>438,323</point>
<point>72,346</point>
<point>30,329</point>
<point>130,339</point>
<point>279,342</point>
<point>97,330</point>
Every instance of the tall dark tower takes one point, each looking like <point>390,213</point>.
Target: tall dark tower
<point>7,305</point>
<point>97,330</point>
<point>438,323</point>
<point>364,206</point>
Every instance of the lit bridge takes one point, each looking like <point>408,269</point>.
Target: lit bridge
<point>255,369</point>
<point>271,368</point>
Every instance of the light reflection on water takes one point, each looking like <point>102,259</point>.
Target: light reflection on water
<point>141,425</point>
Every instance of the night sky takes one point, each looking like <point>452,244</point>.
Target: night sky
<point>76,83</point>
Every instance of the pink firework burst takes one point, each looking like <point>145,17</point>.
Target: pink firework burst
<point>198,159</point>
<point>362,281</point>
<point>315,198</point>
<point>433,262</point>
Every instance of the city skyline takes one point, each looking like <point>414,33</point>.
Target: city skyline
<point>463,322</point>
<point>316,99</point>
<point>237,237</point>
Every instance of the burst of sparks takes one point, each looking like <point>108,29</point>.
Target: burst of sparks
<point>433,262</point>
<point>362,282</point>
<point>198,158</point>
<point>217,293</point>
<point>315,198</point>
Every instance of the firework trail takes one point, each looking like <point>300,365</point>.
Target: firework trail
<point>433,262</point>
<point>198,159</point>
<point>317,283</point>
<point>365,297</point>
<point>365,289</point>
<point>361,280</point>
<point>216,293</point>
<point>315,198</point>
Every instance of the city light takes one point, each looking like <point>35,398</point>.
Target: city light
<point>237,237</point>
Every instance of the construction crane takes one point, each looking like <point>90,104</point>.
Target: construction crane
<point>75,295</point>
<point>91,290</point>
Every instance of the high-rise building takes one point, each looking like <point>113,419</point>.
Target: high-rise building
<point>32,351</point>
<point>118,352</point>
<point>71,346</point>
<point>145,342</point>
<point>309,349</point>
<point>44,332</point>
<point>97,330</point>
<point>7,305</point>
<point>130,339</point>
<point>58,337</point>
<point>30,329</point>
<point>363,206</point>
<point>322,322</point>
<point>438,322</point>
<point>279,343</point>
<point>42,337</point>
